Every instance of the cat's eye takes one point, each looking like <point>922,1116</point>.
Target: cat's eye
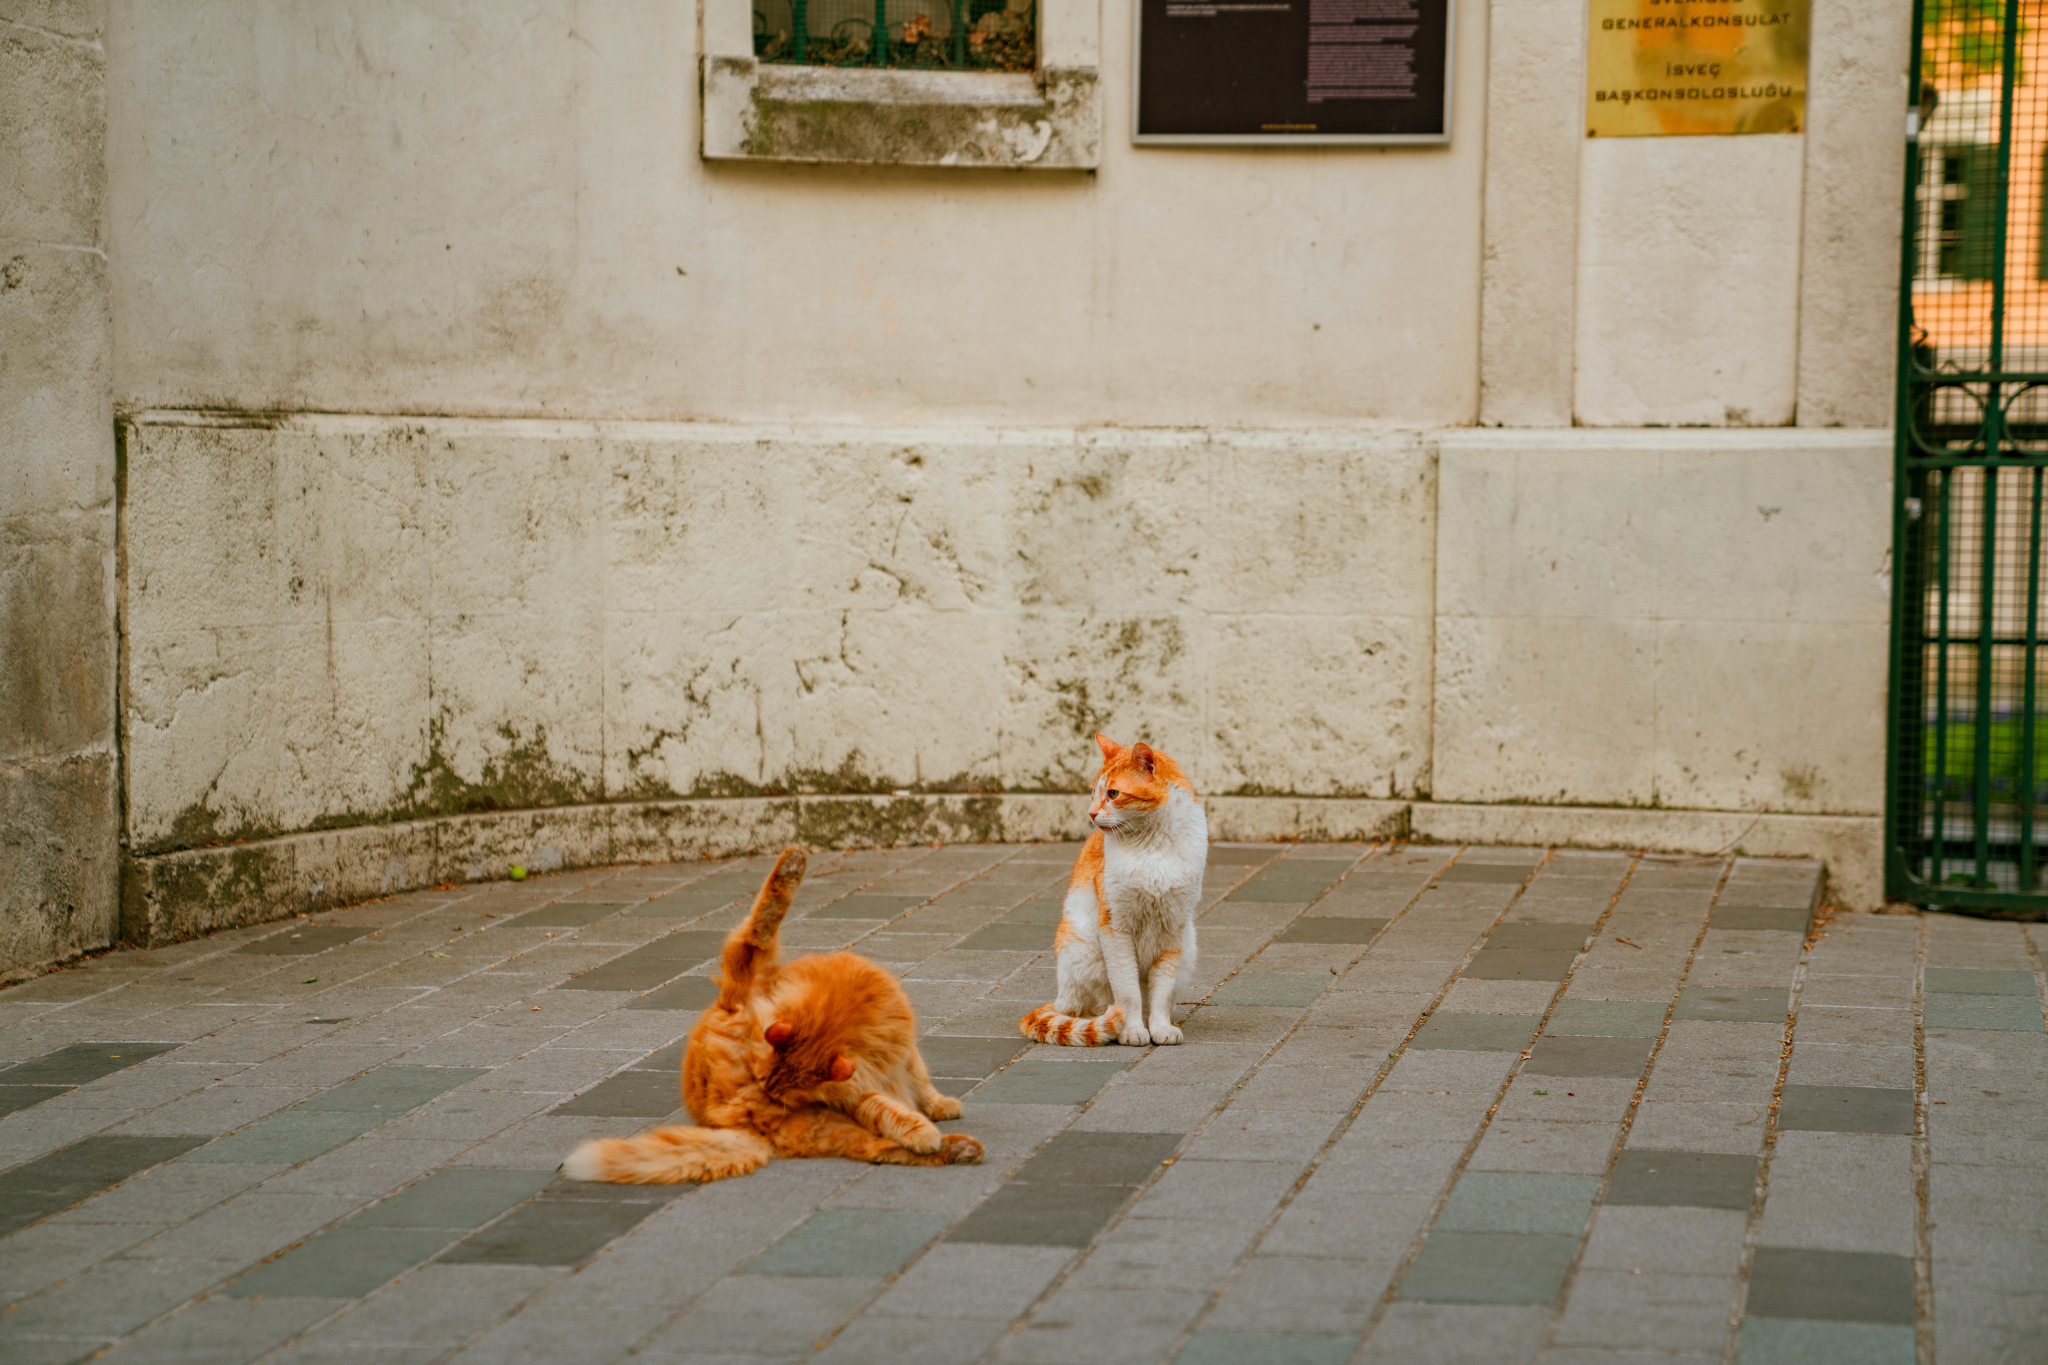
<point>1113,793</point>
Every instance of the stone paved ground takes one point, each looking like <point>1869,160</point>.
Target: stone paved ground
<point>1477,1105</point>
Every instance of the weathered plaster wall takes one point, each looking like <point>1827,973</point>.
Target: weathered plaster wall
<point>498,207</point>
<point>336,621</point>
<point>59,819</point>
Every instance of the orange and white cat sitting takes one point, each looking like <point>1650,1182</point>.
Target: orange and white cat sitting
<point>816,1057</point>
<point>1126,938</point>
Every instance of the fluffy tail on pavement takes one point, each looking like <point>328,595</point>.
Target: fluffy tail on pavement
<point>669,1156</point>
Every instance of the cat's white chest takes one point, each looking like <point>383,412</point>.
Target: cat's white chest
<point>1157,872</point>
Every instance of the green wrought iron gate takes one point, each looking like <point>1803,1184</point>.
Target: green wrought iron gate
<point>1968,774</point>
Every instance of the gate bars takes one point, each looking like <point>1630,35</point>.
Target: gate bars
<point>1965,772</point>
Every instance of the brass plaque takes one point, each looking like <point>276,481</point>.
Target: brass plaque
<point>1683,68</point>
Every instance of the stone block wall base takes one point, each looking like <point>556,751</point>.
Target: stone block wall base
<point>173,896</point>
<point>1852,846</point>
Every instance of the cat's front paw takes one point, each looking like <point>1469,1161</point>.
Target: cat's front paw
<point>923,1138</point>
<point>942,1108</point>
<point>1165,1034</point>
<point>961,1150</point>
<point>1135,1036</point>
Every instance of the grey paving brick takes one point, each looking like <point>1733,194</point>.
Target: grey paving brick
<point>1080,1158</point>
<point>1666,1239</point>
<point>391,1089</point>
<point>434,1307</point>
<point>760,1317</point>
<point>565,1225</point>
<point>1039,1079</point>
<point>1002,936</point>
<point>81,1063</point>
<point>288,1138</point>
<point>1218,1190</point>
<point>1291,880</point>
<point>1485,873</point>
<point>1347,929</point>
<point>629,1094</point>
<point>1042,1215</point>
<point>346,1263</point>
<point>1469,996</point>
<point>1647,1311</point>
<point>304,941</point>
<point>684,993</point>
<point>1588,1056</point>
<point>52,1183</point>
<point>868,906</point>
<point>1286,989</point>
<point>1215,1023</point>
<point>463,1197</point>
<point>1765,1341</point>
<point>1854,991</point>
<point>1960,981</point>
<point>1124,1108</point>
<point>910,1341</point>
<point>575,914</point>
<point>1210,1347</point>
<point>1113,1326</point>
<point>245,1229</point>
<point>1455,1070</point>
<point>969,1057</point>
<point>1520,964</point>
<point>1707,1180</point>
<point>842,1242</point>
<point>36,1258</point>
<point>224,1330</point>
<point>112,1299</point>
<point>1543,1145</point>
<point>1318,1294</point>
<point>1747,1005</point>
<point>974,1281</point>
<point>1263,1134</point>
<point>1475,1032</point>
<point>1841,1192</point>
<point>1328,1220</point>
<point>1793,919</point>
<point>1459,1334</point>
<point>1607,1018</point>
<point>1831,1286</point>
<point>645,968</point>
<point>1518,1202</point>
<point>1846,1109</point>
<point>2005,1013</point>
<point>1489,1267</point>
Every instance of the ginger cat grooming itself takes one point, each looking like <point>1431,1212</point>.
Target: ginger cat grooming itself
<point>816,1057</point>
<point>1126,937</point>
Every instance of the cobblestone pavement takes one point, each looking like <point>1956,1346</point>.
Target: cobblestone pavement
<point>1482,1105</point>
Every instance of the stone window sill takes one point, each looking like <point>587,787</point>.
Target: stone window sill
<point>758,111</point>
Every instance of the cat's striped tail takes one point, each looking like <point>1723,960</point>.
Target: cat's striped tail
<point>1047,1025</point>
<point>669,1156</point>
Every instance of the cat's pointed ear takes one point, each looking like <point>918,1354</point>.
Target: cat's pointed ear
<point>1143,755</point>
<point>842,1068</point>
<point>1110,748</point>
<point>779,1033</point>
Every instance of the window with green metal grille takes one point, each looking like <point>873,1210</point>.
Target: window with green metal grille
<point>955,35</point>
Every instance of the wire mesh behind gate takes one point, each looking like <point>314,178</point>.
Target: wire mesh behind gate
<point>1969,745</point>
